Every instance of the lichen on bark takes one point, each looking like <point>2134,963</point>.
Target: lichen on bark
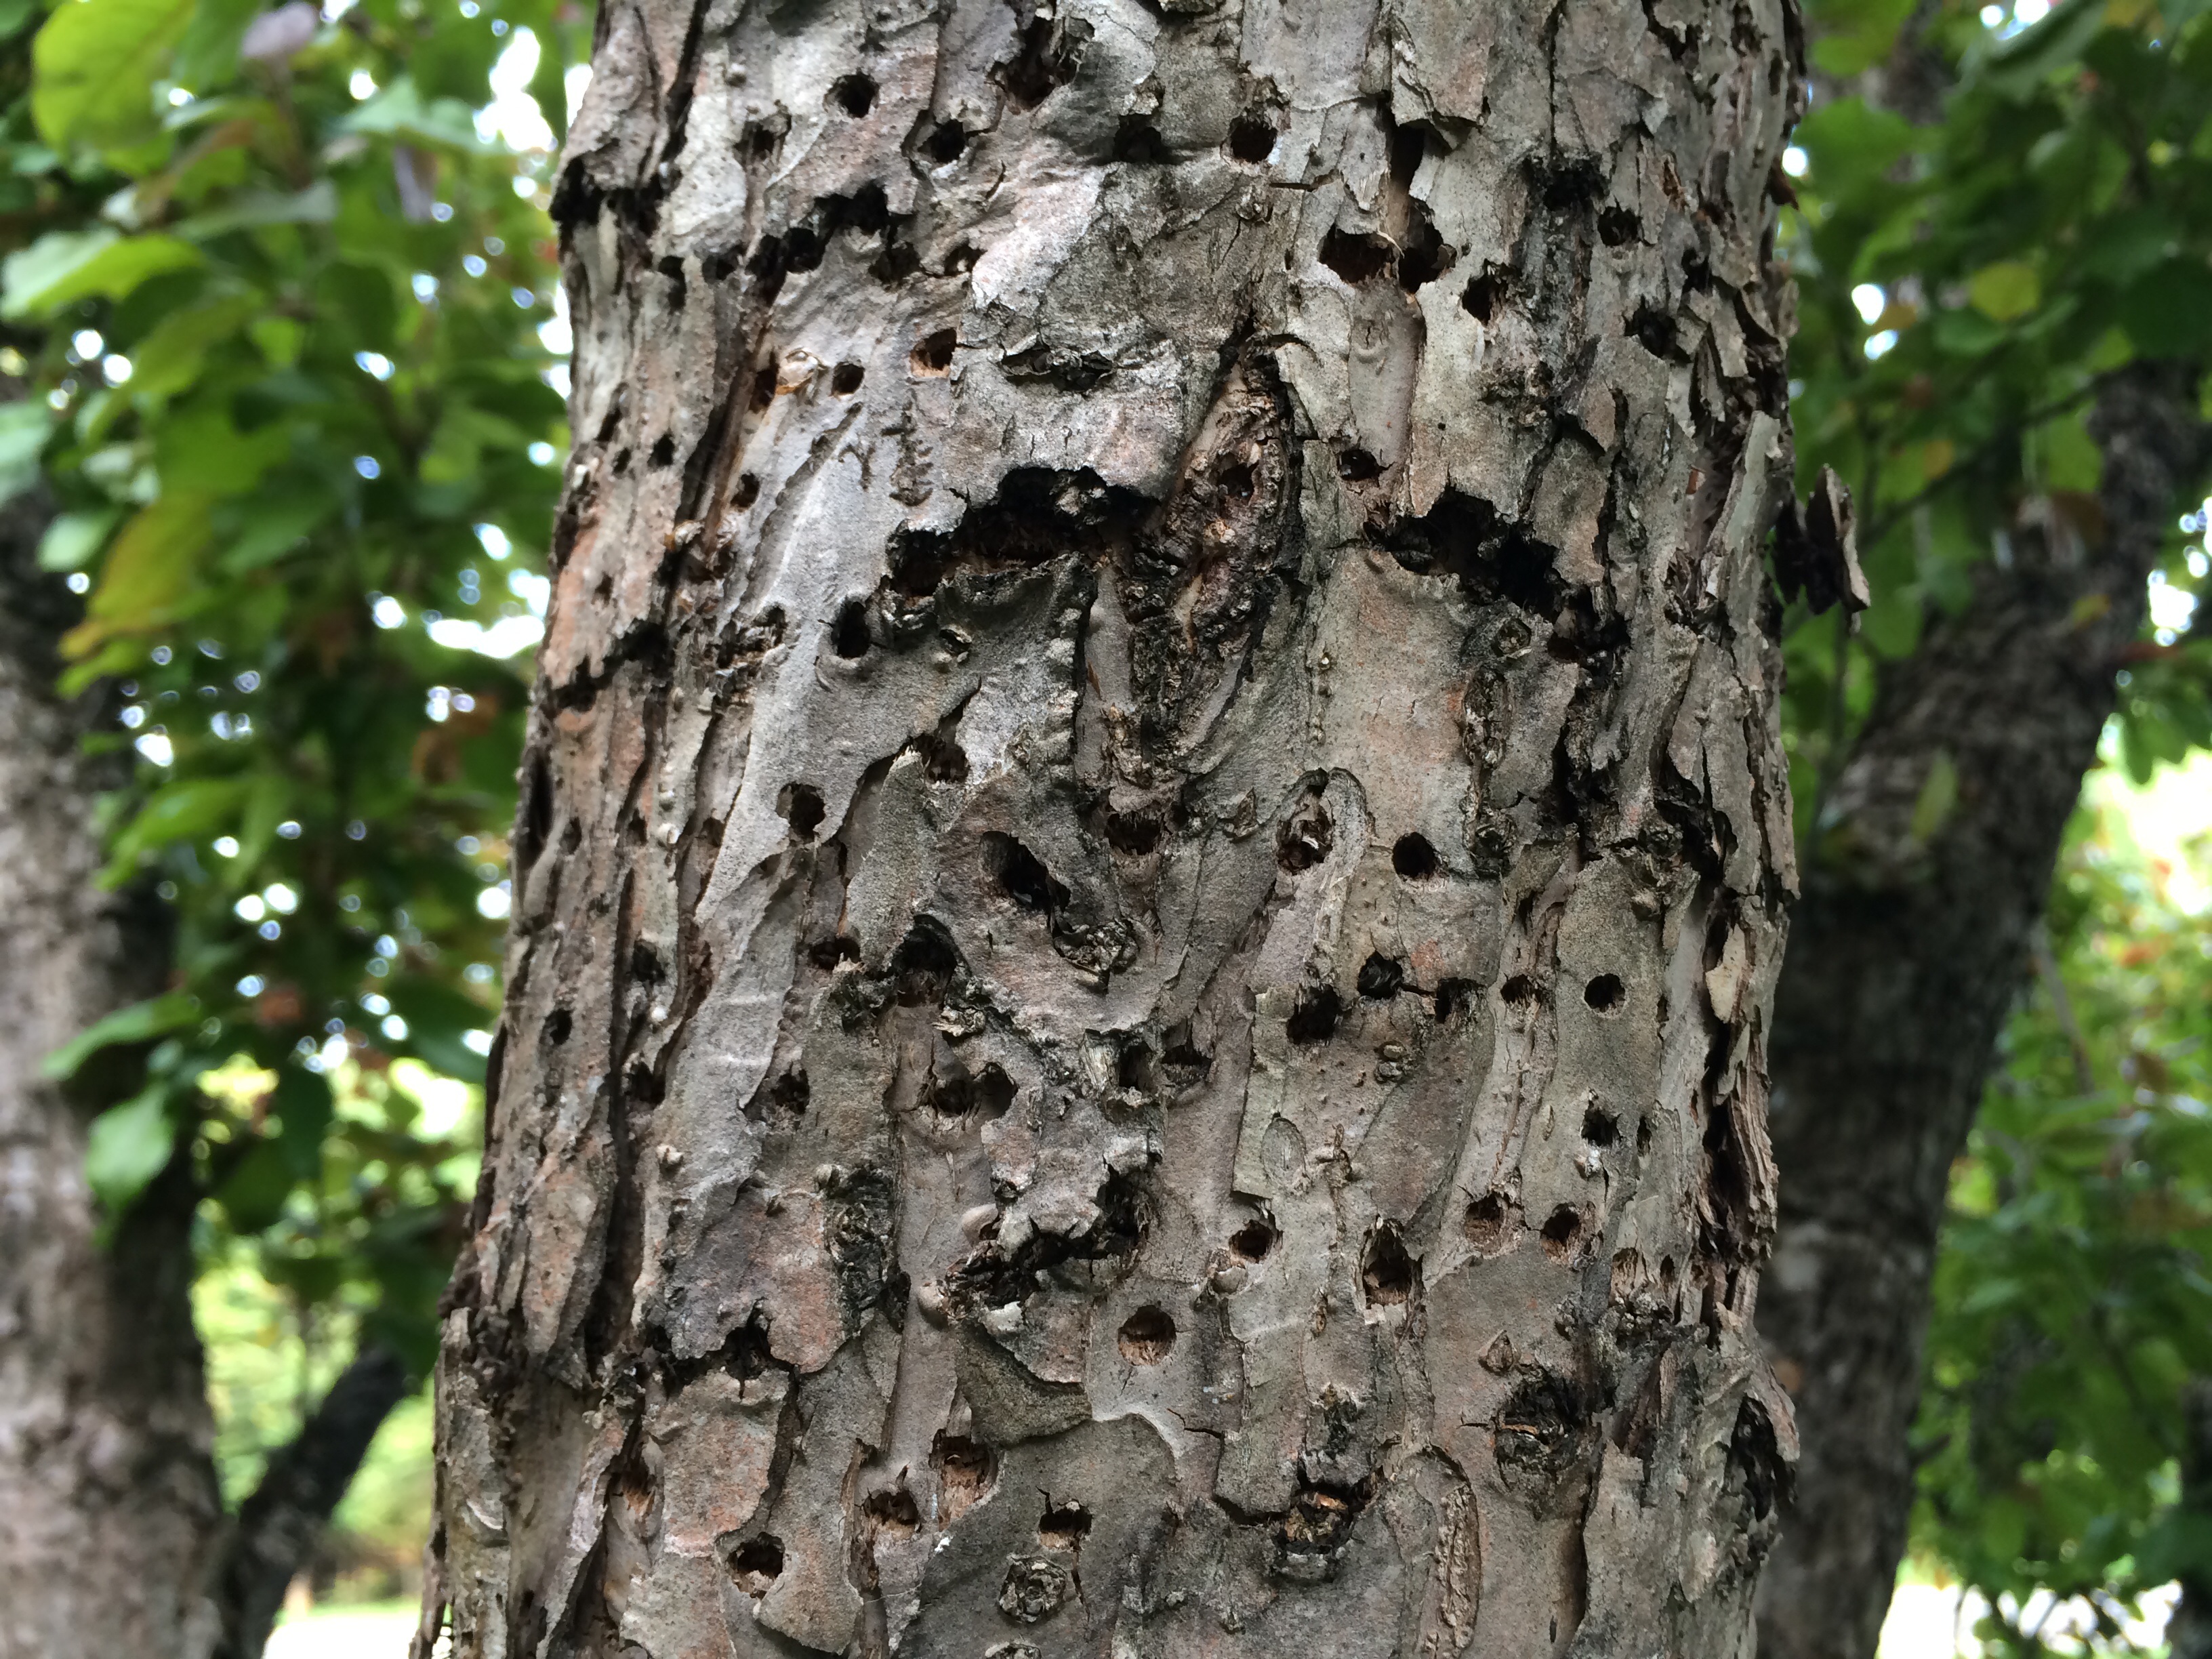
<point>1153,845</point>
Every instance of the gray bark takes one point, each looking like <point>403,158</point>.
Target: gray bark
<point>107,1495</point>
<point>1152,847</point>
<point>1906,956</point>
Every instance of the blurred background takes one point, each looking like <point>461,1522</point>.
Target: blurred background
<point>283,356</point>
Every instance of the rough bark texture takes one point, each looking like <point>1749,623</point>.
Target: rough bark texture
<point>107,1494</point>
<point>1152,845</point>
<point>1905,955</point>
<point>278,1527</point>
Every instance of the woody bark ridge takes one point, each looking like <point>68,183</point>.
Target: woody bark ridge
<point>1152,847</point>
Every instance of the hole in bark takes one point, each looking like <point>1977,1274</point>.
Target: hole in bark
<point>788,1097</point>
<point>1251,137</point>
<point>923,965</point>
<point>855,95</point>
<point>663,450</point>
<point>1134,833</point>
<point>1357,467</point>
<point>557,1027</point>
<point>1490,1224</point>
<point>1653,330</point>
<point>747,492</point>
<point>1235,480</point>
<point>1063,1525</point>
<point>1252,1241</point>
<point>1387,1273</point>
<point>621,461</point>
<point>1600,1128</point>
<point>932,353</point>
<point>946,143</point>
<point>966,1471</point>
<point>1605,994</point>
<point>1319,1522</point>
<point>943,761</point>
<point>1185,1063</point>
<point>1616,225</point>
<point>1413,858</point>
<point>802,809</point>
<point>1643,1135</point>
<point>1425,257</point>
<point>984,1096</point>
<point>1045,60</point>
<point>848,634</point>
<point>845,378</point>
<point>1314,1019</point>
<point>1540,1431</point>
<point>1453,998</point>
<point>1521,991</point>
<point>1139,141</point>
<point>572,835</point>
<point>827,953</point>
<point>893,1511</point>
<point>1355,258</point>
<point>1304,839</point>
<point>1146,1336</point>
<point>1479,299</point>
<point>1562,1232</point>
<point>1380,977</point>
<point>1021,876</point>
<point>756,1563</point>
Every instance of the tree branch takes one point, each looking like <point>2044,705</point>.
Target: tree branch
<point>278,1524</point>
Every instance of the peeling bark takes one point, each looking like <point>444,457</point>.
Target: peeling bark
<point>107,1493</point>
<point>1906,954</point>
<point>1152,845</point>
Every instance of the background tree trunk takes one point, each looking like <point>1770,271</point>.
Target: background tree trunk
<point>108,1497</point>
<point>1152,845</point>
<point>1906,955</point>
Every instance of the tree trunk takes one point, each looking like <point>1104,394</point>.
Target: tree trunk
<point>1153,847</point>
<point>107,1494</point>
<point>1907,952</point>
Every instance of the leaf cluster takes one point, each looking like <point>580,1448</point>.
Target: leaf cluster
<point>281,292</point>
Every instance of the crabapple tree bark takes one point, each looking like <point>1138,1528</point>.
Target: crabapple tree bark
<point>1153,845</point>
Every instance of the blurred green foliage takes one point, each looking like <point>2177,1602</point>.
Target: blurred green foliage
<point>2073,1298</point>
<point>1967,269</point>
<point>282,292</point>
<point>281,300</point>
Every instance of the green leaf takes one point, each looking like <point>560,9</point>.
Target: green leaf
<point>146,580</point>
<point>128,1147</point>
<point>1939,795</point>
<point>254,1194</point>
<point>24,429</point>
<point>2005,291</point>
<point>186,810</point>
<point>2168,310</point>
<point>271,526</point>
<point>73,540</point>
<point>64,266</point>
<point>400,111</point>
<point>318,204</point>
<point>170,358</point>
<point>94,68</point>
<point>303,1107</point>
<point>437,1019</point>
<point>138,1023</point>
